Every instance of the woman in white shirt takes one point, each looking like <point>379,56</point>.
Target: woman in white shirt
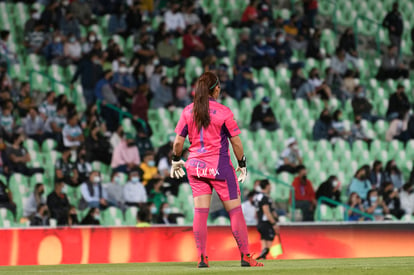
<point>72,49</point>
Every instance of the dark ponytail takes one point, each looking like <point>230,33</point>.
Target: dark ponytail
<point>204,88</point>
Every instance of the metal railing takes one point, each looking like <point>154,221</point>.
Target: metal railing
<point>345,206</point>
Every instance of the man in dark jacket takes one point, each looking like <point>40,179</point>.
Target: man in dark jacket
<point>323,126</point>
<point>58,204</point>
<point>398,102</point>
<point>90,71</point>
<point>330,189</point>
<point>394,23</point>
<point>42,216</point>
<point>361,105</point>
<point>263,117</point>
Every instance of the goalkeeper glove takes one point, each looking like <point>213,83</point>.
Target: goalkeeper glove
<point>241,167</point>
<point>177,167</point>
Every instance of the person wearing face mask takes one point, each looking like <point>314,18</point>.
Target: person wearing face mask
<point>304,194</point>
<point>392,66</point>
<point>134,192</point>
<point>19,157</point>
<point>339,126</point>
<point>407,198</point>
<point>192,44</point>
<point>93,217</point>
<point>69,25</point>
<point>93,193</point>
<point>358,131</point>
<point>263,117</point>
<point>360,183</point>
<point>362,106</point>
<point>58,203</point>
<point>65,169</point>
<point>331,189</point>
<point>355,202</point>
<point>115,189</point>
<point>393,174</point>
<point>41,218</point>
<point>163,96</point>
<point>322,128</point>
<point>377,176</point>
<point>73,216</point>
<point>156,193</point>
<point>30,23</point>
<point>290,158</point>
<point>83,166</point>
<point>167,51</point>
<point>174,19</point>
<point>54,51</point>
<point>263,54</point>
<point>244,45</point>
<point>126,155</point>
<point>283,51</point>
<point>36,197</point>
<point>391,198</point>
<point>72,49</point>
<point>149,168</point>
<point>375,206</point>
<point>125,84</point>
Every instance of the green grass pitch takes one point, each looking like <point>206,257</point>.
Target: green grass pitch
<point>377,266</point>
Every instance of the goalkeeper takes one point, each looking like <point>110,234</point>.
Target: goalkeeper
<point>209,126</point>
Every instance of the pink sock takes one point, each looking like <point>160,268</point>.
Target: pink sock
<point>200,229</point>
<point>239,229</point>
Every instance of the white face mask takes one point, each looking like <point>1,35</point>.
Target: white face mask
<point>96,179</point>
<point>295,147</point>
<point>258,189</point>
<point>64,189</point>
<point>92,38</point>
<point>135,179</point>
<point>167,210</point>
<point>58,39</point>
<point>36,15</point>
<point>335,183</point>
<point>123,70</point>
<point>117,179</point>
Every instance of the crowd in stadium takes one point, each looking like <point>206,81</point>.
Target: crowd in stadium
<point>112,81</point>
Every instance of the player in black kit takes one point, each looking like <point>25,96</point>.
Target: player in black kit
<point>267,218</point>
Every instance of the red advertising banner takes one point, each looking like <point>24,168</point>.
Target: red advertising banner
<point>44,246</point>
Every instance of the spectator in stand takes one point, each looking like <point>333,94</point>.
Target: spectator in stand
<point>36,40</point>
<point>310,10</point>
<point>331,190</point>
<point>393,21</point>
<point>393,174</point>
<point>377,176</point>
<point>298,81</point>
<point>31,22</point>
<point>72,132</point>
<point>283,51</point>
<point>134,192</point>
<point>290,158</point>
<point>65,169</point>
<point>355,202</point>
<point>340,61</point>
<point>407,199</point>
<point>190,16</point>
<point>250,14</point>
<point>263,117</point>
<point>181,95</point>
<point>148,167</point>
<point>35,198</point>
<point>58,204</point>
<point>140,105</point>
<point>93,193</point>
<point>18,157</point>
<point>339,126</point>
<point>192,44</point>
<point>167,51</point>
<point>360,183</point>
<point>391,66</point>
<point>124,84</point>
<point>390,196</point>
<point>361,105</point>
<point>133,17</point>
<point>6,199</point>
<point>243,85</point>
<point>69,26</point>
<point>358,131</point>
<point>117,23</point>
<point>72,49</point>
<point>174,19</point>
<point>48,106</point>
<point>51,15</point>
<point>54,124</point>
<point>23,100</point>
<point>398,127</point>
<point>155,194</point>
<point>322,128</point>
<point>7,123</point>
<point>398,102</point>
<point>249,209</point>
<point>53,51</point>
<point>165,216</point>
<point>82,12</point>
<point>93,217</point>
<point>165,150</point>
<point>126,156</point>
<point>347,42</point>
<point>145,50</point>
<point>304,194</point>
<point>90,71</point>
<point>83,166</point>
<point>98,146</point>
<point>155,79</point>
<point>313,50</point>
<point>115,190</point>
<point>105,93</point>
<point>211,42</point>
<point>244,45</point>
<point>318,86</point>
<point>41,218</point>
<point>264,55</point>
<point>265,9</point>
<point>374,205</point>
<point>34,125</point>
<point>260,28</point>
<point>163,96</point>
<point>73,216</point>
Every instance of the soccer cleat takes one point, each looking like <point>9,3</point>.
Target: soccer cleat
<point>203,262</point>
<point>247,260</point>
<point>263,254</point>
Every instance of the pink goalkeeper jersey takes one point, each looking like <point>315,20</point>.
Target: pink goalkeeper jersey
<point>209,150</point>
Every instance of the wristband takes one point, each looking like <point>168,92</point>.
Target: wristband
<point>176,158</point>
<point>242,162</point>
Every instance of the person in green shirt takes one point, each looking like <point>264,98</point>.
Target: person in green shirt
<point>156,195</point>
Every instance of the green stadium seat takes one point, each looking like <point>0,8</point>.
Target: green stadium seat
<point>31,144</point>
<point>324,213</point>
<point>112,216</point>
<point>49,145</point>
<point>131,216</point>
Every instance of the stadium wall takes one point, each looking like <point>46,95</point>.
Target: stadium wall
<point>46,246</point>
